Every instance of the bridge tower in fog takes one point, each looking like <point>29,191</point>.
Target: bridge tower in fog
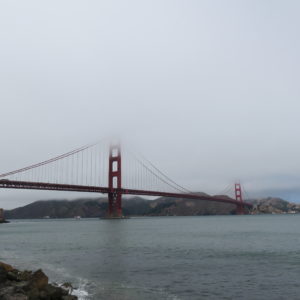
<point>115,182</point>
<point>239,199</point>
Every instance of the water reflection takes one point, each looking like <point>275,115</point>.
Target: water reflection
<point>113,261</point>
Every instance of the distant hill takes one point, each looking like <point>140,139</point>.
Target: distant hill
<point>273,205</point>
<point>137,206</point>
<point>97,207</point>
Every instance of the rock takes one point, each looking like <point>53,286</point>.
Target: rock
<point>3,275</point>
<point>11,293</point>
<point>24,276</point>
<point>15,297</point>
<point>33,294</point>
<point>67,285</point>
<point>26,285</point>
<point>55,292</point>
<point>69,297</point>
<point>6,267</point>
<point>6,291</point>
<point>39,280</point>
<point>12,276</point>
<point>21,286</point>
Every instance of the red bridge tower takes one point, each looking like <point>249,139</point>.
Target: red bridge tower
<point>240,210</point>
<point>115,182</point>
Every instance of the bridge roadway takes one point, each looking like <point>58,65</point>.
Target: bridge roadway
<point>13,184</point>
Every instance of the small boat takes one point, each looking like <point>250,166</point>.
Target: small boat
<point>77,217</point>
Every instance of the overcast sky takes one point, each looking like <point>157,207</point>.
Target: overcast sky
<point>207,90</point>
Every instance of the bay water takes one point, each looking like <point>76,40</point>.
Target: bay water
<point>205,257</point>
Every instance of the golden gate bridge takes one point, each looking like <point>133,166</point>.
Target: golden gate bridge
<point>105,168</point>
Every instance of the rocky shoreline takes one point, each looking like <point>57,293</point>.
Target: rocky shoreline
<point>28,285</point>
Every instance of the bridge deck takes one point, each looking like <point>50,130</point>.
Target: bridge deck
<point>12,184</point>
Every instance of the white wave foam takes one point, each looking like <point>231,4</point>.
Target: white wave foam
<point>80,293</point>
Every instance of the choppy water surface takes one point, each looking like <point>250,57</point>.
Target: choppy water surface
<point>219,257</point>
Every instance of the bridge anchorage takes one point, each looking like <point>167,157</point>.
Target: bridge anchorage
<point>103,168</point>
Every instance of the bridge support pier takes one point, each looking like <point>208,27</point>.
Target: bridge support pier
<point>115,205</point>
<point>115,183</point>
<point>240,210</point>
<point>1,215</point>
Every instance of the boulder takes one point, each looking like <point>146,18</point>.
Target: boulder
<point>3,275</point>
<point>6,267</point>
<point>39,280</point>
<point>69,297</point>
<point>27,285</point>
<point>15,297</point>
<point>55,292</point>
<point>24,276</point>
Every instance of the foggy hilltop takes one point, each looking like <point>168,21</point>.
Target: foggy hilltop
<point>137,206</point>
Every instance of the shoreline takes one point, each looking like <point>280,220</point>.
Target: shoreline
<point>26,285</point>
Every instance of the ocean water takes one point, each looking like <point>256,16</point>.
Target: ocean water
<point>209,257</point>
